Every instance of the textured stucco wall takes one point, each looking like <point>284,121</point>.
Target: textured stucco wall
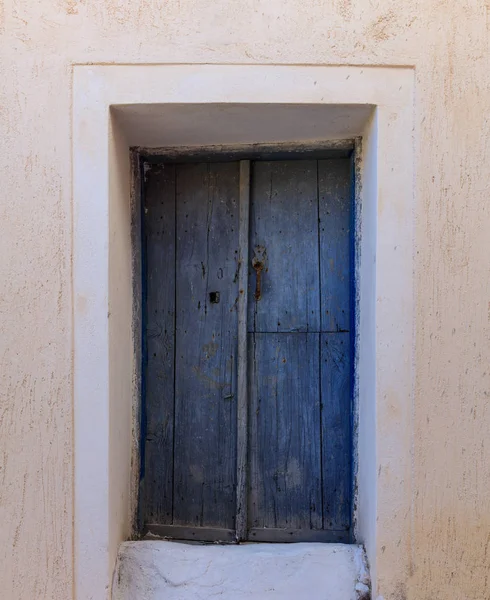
<point>448,44</point>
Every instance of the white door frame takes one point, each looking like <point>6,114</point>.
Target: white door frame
<point>115,107</point>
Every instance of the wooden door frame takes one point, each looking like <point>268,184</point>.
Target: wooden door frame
<point>141,159</point>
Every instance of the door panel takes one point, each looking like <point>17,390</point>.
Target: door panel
<point>285,448</point>
<point>284,227</point>
<point>299,383</point>
<point>206,339</point>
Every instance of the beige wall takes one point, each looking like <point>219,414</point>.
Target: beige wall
<point>448,44</point>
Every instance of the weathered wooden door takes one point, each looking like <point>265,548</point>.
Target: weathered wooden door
<point>269,460</point>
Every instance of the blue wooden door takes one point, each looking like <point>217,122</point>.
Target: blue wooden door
<point>299,351</point>
<point>191,260</point>
<point>296,469</point>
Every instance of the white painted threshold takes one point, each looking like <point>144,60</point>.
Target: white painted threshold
<point>165,570</point>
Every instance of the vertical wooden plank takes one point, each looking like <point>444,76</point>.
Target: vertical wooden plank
<point>206,345</point>
<point>285,447</point>
<point>242,388</point>
<point>334,187</point>
<point>336,429</point>
<point>285,473</point>
<point>284,229</point>
<point>159,316</point>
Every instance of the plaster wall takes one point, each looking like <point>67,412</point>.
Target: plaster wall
<point>447,43</point>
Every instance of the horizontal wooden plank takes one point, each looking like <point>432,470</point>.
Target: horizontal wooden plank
<point>298,535</point>
<point>290,332</point>
<point>202,534</point>
<point>223,153</point>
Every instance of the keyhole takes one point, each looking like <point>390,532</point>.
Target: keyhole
<point>214,297</point>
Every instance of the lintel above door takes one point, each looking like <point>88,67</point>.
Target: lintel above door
<point>279,151</point>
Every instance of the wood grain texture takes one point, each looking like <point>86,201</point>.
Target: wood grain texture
<point>206,345</point>
<point>248,432</point>
<point>284,230</point>
<point>159,323</point>
<point>336,393</point>
<point>181,532</point>
<point>335,218</point>
<point>285,461</point>
<point>286,535</point>
<point>334,194</point>
<point>242,389</point>
<point>302,224</point>
<point>233,152</point>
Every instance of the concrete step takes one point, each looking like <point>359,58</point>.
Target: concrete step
<point>165,570</point>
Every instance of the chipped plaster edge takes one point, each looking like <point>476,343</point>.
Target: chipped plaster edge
<point>363,583</point>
